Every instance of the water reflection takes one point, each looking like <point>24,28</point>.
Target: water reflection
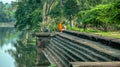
<point>7,37</point>
<point>5,59</point>
<point>24,55</point>
<point>17,51</point>
<point>14,51</point>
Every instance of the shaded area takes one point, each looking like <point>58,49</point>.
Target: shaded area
<point>24,55</point>
<point>7,34</point>
<point>42,60</point>
<point>18,51</point>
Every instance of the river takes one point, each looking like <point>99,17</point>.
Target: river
<point>14,51</point>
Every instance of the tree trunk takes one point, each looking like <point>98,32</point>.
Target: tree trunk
<point>71,21</point>
<point>106,27</point>
<point>85,26</point>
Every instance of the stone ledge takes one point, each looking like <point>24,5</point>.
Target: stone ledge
<point>94,64</point>
<point>109,41</point>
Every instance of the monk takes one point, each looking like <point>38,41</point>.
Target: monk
<point>60,27</point>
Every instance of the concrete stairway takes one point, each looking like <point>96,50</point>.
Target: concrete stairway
<point>66,49</point>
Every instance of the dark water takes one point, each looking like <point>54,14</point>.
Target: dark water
<point>16,51</point>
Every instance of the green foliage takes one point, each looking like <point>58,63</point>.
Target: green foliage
<point>92,30</point>
<point>116,12</point>
<point>28,15</point>
<point>82,30</point>
<point>88,4</point>
<point>71,8</point>
<point>7,12</point>
<point>110,34</point>
<point>36,17</point>
<point>74,28</point>
<point>102,15</point>
<point>56,11</point>
<point>96,14</point>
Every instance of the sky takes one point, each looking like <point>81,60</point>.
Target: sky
<point>7,1</point>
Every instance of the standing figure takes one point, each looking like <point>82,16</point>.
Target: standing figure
<point>60,27</point>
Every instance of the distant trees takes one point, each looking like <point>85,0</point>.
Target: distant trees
<point>7,12</point>
<point>102,14</point>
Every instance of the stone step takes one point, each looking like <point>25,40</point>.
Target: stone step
<point>108,41</point>
<point>84,56</point>
<point>57,56</point>
<point>95,46</point>
<point>84,50</point>
<point>94,64</point>
<point>50,57</point>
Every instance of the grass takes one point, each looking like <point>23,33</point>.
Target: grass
<point>115,34</point>
<point>110,34</point>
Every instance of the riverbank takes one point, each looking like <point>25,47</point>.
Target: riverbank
<point>7,24</point>
<point>114,34</point>
<point>110,34</point>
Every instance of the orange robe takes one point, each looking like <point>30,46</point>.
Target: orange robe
<point>59,26</point>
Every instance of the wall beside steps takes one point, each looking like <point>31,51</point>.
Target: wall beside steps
<point>68,48</point>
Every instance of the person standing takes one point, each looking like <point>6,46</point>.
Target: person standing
<point>60,27</point>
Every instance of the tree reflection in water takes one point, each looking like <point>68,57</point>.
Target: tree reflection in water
<point>7,35</point>
<point>24,54</point>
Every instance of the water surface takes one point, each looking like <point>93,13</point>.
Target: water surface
<point>15,50</point>
<point>6,42</point>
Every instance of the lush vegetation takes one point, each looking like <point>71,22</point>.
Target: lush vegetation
<point>40,15</point>
<point>105,17</point>
<point>7,12</point>
<point>96,16</point>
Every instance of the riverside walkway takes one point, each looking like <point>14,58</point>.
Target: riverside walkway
<point>75,49</point>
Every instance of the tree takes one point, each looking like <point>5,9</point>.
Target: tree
<point>101,15</point>
<point>28,14</point>
<point>6,12</point>
<point>116,12</point>
<point>71,9</point>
